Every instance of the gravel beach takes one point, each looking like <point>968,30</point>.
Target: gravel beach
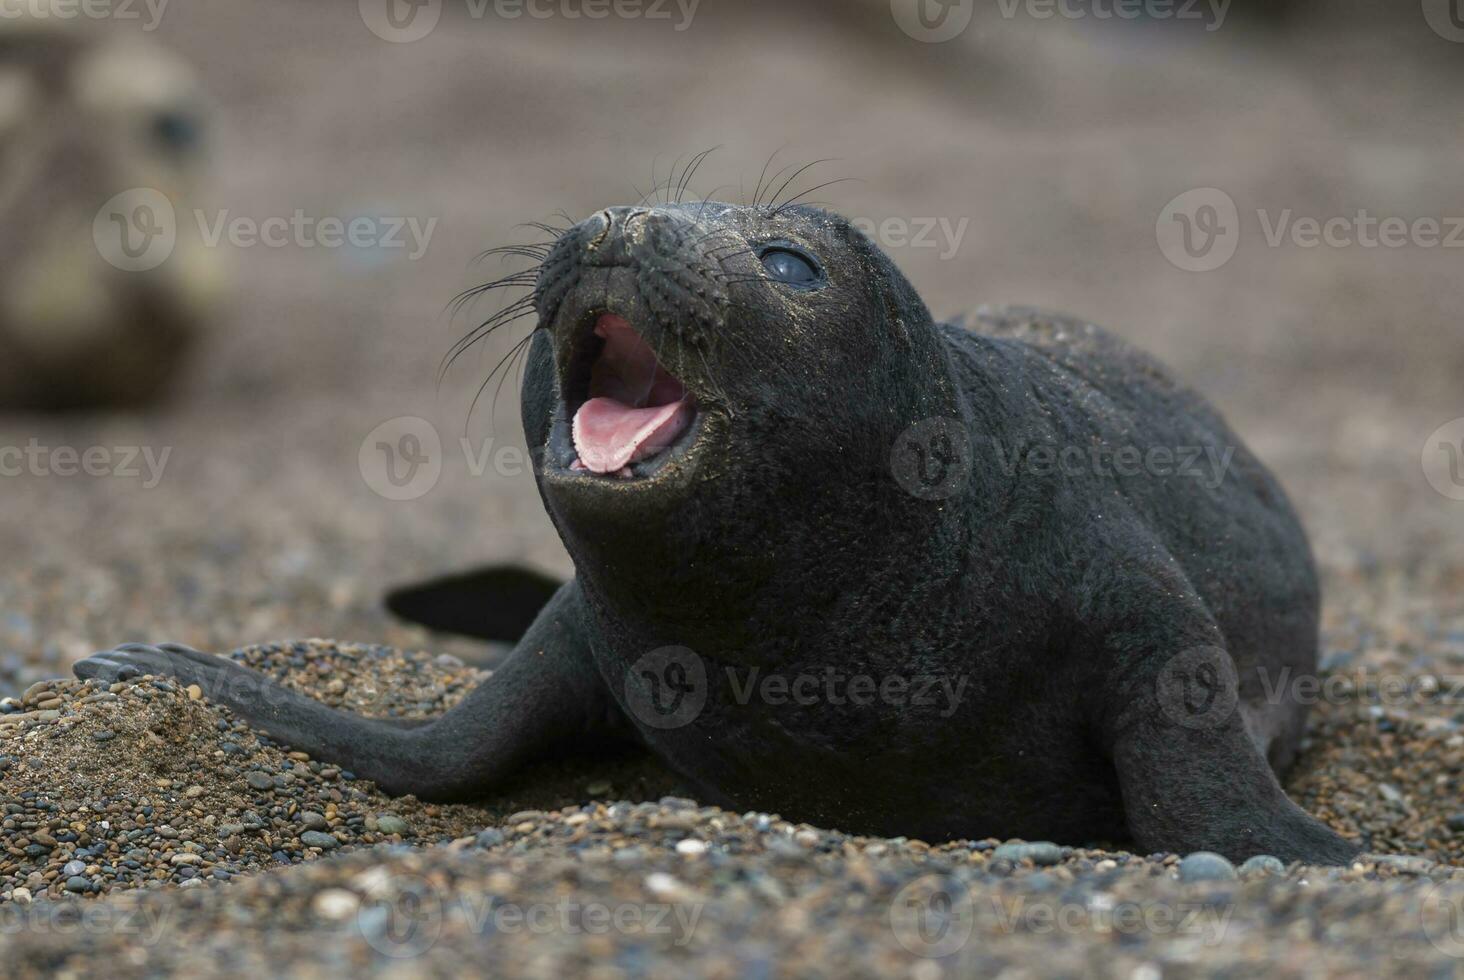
<point>146,832</point>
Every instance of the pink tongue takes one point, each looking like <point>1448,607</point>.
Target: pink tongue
<point>609,434</point>
<point>635,407</point>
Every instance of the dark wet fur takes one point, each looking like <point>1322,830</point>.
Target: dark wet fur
<point>781,542</point>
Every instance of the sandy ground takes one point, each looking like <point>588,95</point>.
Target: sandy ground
<point>1053,145</point>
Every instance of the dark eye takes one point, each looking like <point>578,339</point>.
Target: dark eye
<point>177,131</point>
<point>793,267</point>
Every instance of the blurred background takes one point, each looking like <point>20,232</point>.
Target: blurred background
<point>238,491</point>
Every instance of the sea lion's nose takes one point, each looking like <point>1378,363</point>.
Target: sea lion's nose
<point>606,237</point>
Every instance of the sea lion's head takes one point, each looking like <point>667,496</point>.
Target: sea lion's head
<point>89,117</point>
<point>700,367</point>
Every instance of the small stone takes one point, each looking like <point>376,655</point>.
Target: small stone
<point>336,904</point>
<point>1206,866</point>
<point>260,781</point>
<point>489,838</point>
<point>390,824</point>
<point>1262,864</point>
<point>105,735</point>
<point>194,792</point>
<point>313,820</point>
<point>195,693</point>
<point>73,868</point>
<point>1041,853</point>
<point>1405,864</point>
<point>691,847</point>
<point>21,896</point>
<point>314,838</point>
<point>184,857</point>
<point>78,884</point>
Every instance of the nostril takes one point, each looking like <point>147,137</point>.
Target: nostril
<point>606,220</point>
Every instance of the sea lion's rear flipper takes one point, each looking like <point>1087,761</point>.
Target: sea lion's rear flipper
<point>496,603</point>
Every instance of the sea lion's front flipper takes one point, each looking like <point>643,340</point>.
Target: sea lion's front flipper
<point>546,695</point>
<point>1192,776</point>
<point>496,603</point>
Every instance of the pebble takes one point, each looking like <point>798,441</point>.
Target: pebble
<point>314,838</point>
<point>336,904</point>
<point>1040,853</point>
<point>391,824</point>
<point>259,781</point>
<point>1262,864</point>
<point>1206,866</point>
<point>1404,863</point>
<point>313,820</point>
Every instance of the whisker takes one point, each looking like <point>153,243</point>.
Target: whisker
<point>504,360</point>
<point>690,172</point>
<point>794,176</point>
<point>757,191</point>
<point>817,187</point>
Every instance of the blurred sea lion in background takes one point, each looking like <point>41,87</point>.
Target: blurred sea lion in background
<point>87,114</point>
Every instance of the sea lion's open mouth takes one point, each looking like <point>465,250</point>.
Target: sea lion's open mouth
<point>627,407</point>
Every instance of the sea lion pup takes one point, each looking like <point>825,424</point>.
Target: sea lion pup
<point>825,564</point>
<point>87,115</point>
